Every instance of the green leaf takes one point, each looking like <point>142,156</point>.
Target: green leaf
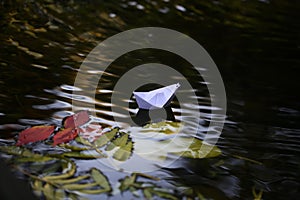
<point>83,141</point>
<point>73,148</point>
<point>124,152</point>
<point>164,194</point>
<point>100,179</point>
<point>37,186</point>
<point>147,193</point>
<point>59,194</point>
<point>118,142</point>
<point>70,171</point>
<point>71,180</point>
<point>81,155</point>
<point>106,137</point>
<point>122,140</point>
<point>193,148</point>
<point>48,191</point>
<point>34,159</point>
<point>78,186</point>
<point>127,182</point>
<point>97,191</point>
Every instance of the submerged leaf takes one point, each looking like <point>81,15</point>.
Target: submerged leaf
<point>35,134</point>
<point>65,135</point>
<point>77,119</point>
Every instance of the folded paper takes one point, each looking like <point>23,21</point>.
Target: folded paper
<point>156,99</point>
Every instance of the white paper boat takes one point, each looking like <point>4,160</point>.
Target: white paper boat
<point>155,99</point>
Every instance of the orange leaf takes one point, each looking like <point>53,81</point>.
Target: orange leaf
<point>35,134</point>
<point>65,135</point>
<point>76,120</point>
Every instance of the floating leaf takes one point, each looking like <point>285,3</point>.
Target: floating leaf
<point>147,193</point>
<point>106,137</point>
<point>100,179</point>
<point>166,127</point>
<point>71,180</point>
<point>118,142</point>
<point>76,120</point>
<point>83,141</point>
<point>74,148</point>
<point>59,194</point>
<point>163,194</point>
<point>127,182</point>
<point>79,186</point>
<point>65,135</point>
<point>81,155</point>
<point>124,152</point>
<point>192,148</point>
<point>37,186</point>
<point>48,191</point>
<point>68,172</point>
<point>35,134</point>
<point>122,140</point>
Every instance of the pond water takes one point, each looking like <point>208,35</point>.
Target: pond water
<point>255,45</point>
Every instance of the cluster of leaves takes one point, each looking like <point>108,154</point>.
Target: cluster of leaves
<point>65,134</point>
<point>115,140</point>
<point>54,175</point>
<point>148,189</point>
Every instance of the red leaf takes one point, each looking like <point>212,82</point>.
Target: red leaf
<point>34,134</point>
<point>77,119</point>
<point>65,135</point>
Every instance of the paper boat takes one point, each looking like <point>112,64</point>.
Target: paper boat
<point>155,99</point>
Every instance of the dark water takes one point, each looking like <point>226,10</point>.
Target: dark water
<point>255,45</point>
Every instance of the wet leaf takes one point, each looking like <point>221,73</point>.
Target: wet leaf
<point>166,127</point>
<point>83,141</point>
<point>35,134</point>
<point>193,148</point>
<point>79,186</point>
<point>35,159</point>
<point>48,191</point>
<point>124,152</point>
<point>164,194</point>
<point>74,148</point>
<point>59,194</point>
<point>127,182</point>
<point>147,193</point>
<point>118,142</point>
<point>68,172</point>
<point>106,137</point>
<point>81,155</point>
<point>76,120</point>
<point>121,141</point>
<point>100,179</point>
<point>95,191</point>
<point>65,135</point>
<point>37,186</point>
<point>71,180</point>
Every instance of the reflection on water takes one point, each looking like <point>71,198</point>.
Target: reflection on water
<point>255,44</point>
